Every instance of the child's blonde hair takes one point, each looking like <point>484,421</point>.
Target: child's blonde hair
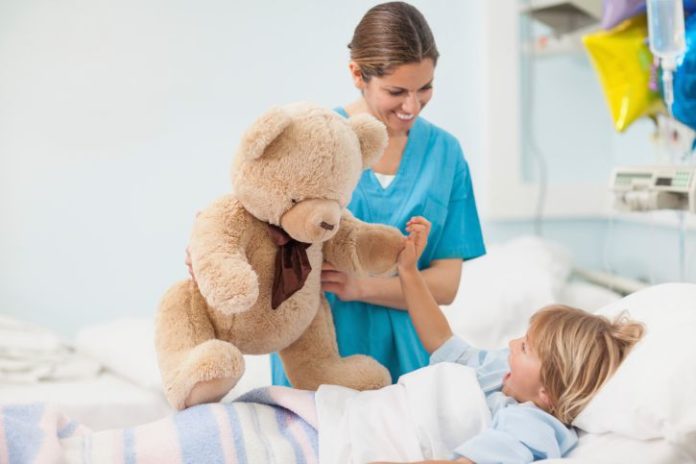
<point>579,351</point>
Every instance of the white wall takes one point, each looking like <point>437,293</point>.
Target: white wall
<point>118,121</point>
<point>570,123</point>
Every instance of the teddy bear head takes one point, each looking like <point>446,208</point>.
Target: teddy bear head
<point>298,164</point>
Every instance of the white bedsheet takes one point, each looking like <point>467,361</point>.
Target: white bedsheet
<point>421,417</point>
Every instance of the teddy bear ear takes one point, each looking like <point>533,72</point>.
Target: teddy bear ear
<point>372,135</point>
<point>264,131</point>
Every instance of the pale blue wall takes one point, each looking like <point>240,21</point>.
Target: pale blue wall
<point>118,121</point>
<point>646,252</point>
<point>568,122</point>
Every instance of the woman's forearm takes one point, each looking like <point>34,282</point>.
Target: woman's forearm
<point>442,279</point>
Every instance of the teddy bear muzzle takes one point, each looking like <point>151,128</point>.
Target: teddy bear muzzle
<point>312,221</point>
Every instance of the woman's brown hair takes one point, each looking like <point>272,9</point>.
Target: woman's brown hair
<point>391,34</point>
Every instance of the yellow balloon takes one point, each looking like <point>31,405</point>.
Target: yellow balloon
<point>623,60</point>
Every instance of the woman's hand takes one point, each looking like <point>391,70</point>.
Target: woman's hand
<point>343,285</point>
<point>187,260</point>
<point>189,265</point>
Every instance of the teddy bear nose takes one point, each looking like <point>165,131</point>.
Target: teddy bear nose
<point>326,225</point>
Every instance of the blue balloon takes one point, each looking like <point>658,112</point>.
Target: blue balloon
<point>684,107</point>
<point>689,6</point>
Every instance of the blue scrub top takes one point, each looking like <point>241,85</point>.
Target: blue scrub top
<point>432,181</point>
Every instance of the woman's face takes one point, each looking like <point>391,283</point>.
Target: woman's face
<point>398,97</point>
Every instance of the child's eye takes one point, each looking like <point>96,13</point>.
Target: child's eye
<point>524,347</point>
<point>395,93</point>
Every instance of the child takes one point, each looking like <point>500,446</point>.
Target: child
<point>535,388</point>
<point>533,391</point>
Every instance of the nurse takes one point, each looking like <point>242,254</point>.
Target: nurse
<point>422,173</point>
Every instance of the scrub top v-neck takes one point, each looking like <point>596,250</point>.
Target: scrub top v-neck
<point>433,181</point>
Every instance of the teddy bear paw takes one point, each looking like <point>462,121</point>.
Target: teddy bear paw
<point>379,248</point>
<point>237,293</point>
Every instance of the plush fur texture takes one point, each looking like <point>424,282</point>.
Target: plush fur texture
<point>296,168</point>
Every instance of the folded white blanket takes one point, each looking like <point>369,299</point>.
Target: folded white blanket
<point>426,415</point>
<point>29,354</point>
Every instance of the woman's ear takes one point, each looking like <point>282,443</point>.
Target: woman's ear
<point>356,74</point>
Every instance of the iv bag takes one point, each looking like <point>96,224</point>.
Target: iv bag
<point>666,29</point>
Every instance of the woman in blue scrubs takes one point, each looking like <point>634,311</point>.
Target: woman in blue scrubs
<point>422,173</point>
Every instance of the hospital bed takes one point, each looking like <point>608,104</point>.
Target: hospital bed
<point>639,419</point>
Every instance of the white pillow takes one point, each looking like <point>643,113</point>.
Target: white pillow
<point>610,448</point>
<point>653,393</point>
<point>127,347</point>
<point>499,291</point>
<point>587,296</point>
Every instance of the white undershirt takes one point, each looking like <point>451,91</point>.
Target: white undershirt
<point>384,179</point>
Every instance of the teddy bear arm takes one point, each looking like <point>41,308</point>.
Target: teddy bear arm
<point>341,250</point>
<point>223,273</point>
<point>362,248</point>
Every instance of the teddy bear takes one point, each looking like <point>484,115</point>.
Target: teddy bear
<point>257,255</point>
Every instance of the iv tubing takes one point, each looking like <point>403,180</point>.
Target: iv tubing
<point>668,64</point>
<point>682,246</point>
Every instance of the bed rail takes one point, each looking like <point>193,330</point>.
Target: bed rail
<point>617,283</point>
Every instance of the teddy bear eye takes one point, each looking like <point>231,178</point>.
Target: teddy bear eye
<point>294,202</point>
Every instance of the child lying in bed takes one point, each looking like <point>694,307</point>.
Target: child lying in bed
<point>535,388</point>
<point>470,405</point>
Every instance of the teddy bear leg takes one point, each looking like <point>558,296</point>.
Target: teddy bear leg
<point>196,367</point>
<point>313,359</point>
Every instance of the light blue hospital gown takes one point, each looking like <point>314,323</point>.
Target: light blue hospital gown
<point>432,181</point>
<point>519,433</point>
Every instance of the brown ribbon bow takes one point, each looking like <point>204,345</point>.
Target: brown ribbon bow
<point>291,265</point>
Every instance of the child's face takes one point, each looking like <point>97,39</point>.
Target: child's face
<point>523,382</point>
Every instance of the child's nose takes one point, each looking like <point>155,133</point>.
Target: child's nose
<point>514,343</point>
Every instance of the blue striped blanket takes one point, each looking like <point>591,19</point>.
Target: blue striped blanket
<point>267,425</point>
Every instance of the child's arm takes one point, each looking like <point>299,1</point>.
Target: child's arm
<point>431,325</point>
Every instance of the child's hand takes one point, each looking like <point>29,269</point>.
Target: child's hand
<point>418,229</point>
